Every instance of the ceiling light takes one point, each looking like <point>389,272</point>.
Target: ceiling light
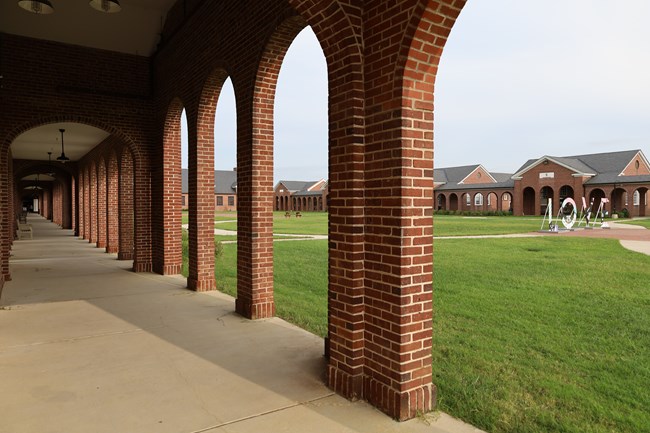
<point>108,6</point>
<point>62,158</point>
<point>37,6</point>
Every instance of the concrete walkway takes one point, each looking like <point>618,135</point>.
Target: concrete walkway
<point>88,346</point>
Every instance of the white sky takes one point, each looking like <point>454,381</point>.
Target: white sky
<point>518,80</point>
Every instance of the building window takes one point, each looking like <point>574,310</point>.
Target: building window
<point>478,199</point>
<point>231,200</point>
<point>184,200</point>
<point>489,199</point>
<point>219,200</point>
<point>468,200</point>
<point>636,198</point>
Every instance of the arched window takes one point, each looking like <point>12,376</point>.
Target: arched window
<point>636,198</point>
<point>478,199</point>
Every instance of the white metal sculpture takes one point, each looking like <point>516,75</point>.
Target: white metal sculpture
<point>568,213</point>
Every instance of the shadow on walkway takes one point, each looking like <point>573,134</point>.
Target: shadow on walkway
<point>89,346</point>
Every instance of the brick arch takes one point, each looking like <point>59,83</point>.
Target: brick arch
<point>167,248</point>
<point>255,173</point>
<point>85,120</point>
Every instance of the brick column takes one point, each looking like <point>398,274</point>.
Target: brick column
<point>112,220</point>
<point>101,203</point>
<point>93,204</point>
<point>201,204</point>
<point>125,206</point>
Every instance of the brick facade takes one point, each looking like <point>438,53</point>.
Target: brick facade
<point>382,59</point>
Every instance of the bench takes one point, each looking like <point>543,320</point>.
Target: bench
<point>24,230</point>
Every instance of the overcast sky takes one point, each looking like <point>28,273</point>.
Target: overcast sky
<point>518,80</point>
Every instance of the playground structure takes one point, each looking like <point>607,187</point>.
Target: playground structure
<point>567,214</point>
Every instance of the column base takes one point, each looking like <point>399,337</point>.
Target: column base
<point>121,255</point>
<point>254,311</point>
<point>345,384</point>
<point>205,285</point>
<point>400,405</point>
<point>142,267</point>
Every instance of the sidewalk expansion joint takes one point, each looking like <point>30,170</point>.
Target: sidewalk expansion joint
<point>268,412</point>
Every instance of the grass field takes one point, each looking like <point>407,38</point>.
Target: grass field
<point>644,222</point>
<point>544,334</point>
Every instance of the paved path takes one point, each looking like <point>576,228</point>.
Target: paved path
<point>86,345</point>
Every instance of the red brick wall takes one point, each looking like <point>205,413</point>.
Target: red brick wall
<point>382,59</point>
<point>111,91</point>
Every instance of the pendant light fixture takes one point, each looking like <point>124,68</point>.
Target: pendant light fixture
<point>106,6</point>
<point>41,7</point>
<point>49,165</point>
<point>62,158</point>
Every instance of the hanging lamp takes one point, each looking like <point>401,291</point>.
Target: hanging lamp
<point>62,158</point>
<point>41,7</point>
<point>106,6</point>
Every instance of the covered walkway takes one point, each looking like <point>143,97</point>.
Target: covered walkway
<point>89,346</point>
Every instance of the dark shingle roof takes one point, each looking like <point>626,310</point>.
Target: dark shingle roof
<point>297,185</point>
<point>611,163</point>
<point>450,176</point>
<point>225,181</point>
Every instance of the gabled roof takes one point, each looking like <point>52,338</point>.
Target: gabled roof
<point>225,181</point>
<point>297,185</point>
<point>449,178</point>
<point>593,164</point>
<point>453,174</point>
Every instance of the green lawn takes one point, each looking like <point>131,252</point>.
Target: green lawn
<point>313,223</point>
<point>453,225</point>
<point>531,335</point>
<point>644,222</point>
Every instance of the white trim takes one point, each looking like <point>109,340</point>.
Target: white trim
<point>462,182</point>
<point>550,159</point>
<point>639,153</point>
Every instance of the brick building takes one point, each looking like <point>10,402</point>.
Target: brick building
<point>296,195</point>
<point>118,88</point>
<point>621,177</point>
<point>225,190</point>
<point>472,188</point>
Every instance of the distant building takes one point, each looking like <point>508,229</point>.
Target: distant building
<point>621,177</point>
<point>472,188</point>
<point>295,195</point>
<point>225,190</point>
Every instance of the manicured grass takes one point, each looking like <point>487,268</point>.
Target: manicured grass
<point>313,223</point>
<point>644,222</point>
<point>300,281</point>
<point>221,216</point>
<point>454,225</point>
<point>546,334</point>
<point>542,334</point>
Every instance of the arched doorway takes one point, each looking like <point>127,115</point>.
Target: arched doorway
<point>529,201</point>
<point>506,202</point>
<point>453,202</point>
<point>546,194</point>
<point>619,200</point>
<point>441,202</point>
<point>640,202</point>
<point>595,197</point>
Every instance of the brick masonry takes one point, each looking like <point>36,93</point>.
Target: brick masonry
<point>382,59</point>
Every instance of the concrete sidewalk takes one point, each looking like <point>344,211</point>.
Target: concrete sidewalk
<point>88,346</point>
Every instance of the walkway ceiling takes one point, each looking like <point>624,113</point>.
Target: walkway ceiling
<point>134,30</point>
<point>78,140</point>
